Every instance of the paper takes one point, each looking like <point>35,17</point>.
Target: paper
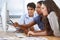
<point>6,38</point>
<point>21,35</point>
<point>34,38</point>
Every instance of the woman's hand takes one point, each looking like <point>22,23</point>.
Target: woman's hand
<point>30,33</point>
<point>15,24</point>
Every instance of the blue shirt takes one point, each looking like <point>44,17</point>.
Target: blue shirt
<point>25,19</point>
<point>38,21</point>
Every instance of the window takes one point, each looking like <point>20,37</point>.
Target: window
<point>19,7</point>
<point>15,7</point>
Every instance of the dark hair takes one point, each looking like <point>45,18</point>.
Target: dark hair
<point>32,5</point>
<point>51,6</point>
<point>40,2</point>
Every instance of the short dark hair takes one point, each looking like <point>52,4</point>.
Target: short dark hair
<point>32,5</point>
<point>40,2</point>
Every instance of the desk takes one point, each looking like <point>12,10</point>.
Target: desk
<point>52,38</point>
<point>13,36</point>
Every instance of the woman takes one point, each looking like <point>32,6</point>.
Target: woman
<point>53,14</point>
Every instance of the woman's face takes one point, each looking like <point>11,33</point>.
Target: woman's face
<point>38,8</point>
<point>44,10</point>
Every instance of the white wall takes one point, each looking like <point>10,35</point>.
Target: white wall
<point>27,1</point>
<point>16,7</point>
<point>57,2</point>
<point>19,7</point>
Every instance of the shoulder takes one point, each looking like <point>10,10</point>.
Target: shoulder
<point>23,16</point>
<point>52,14</point>
<point>37,18</point>
<point>35,14</point>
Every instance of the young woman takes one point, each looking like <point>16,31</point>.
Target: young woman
<point>52,12</point>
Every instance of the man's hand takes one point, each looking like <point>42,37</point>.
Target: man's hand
<point>15,24</point>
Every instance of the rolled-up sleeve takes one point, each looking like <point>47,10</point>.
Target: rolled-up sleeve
<point>35,19</point>
<point>21,20</point>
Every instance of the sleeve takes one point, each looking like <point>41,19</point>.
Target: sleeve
<point>22,19</point>
<point>53,21</point>
<point>35,19</point>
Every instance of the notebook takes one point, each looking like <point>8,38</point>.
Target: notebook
<point>20,35</point>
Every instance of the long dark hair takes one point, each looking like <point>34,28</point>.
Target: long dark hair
<point>51,6</point>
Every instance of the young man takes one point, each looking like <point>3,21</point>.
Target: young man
<point>27,18</point>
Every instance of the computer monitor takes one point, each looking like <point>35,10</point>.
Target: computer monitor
<point>5,17</point>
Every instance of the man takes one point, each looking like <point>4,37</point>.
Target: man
<point>27,18</point>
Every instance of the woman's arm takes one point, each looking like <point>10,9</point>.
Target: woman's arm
<point>41,33</point>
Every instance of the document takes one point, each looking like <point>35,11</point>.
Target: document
<point>34,38</point>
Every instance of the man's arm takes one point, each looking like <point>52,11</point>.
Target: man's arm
<point>24,25</point>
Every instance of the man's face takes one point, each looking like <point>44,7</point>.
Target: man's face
<point>30,10</point>
<point>38,8</point>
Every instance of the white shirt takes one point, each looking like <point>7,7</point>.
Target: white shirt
<point>53,20</point>
<point>25,19</point>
